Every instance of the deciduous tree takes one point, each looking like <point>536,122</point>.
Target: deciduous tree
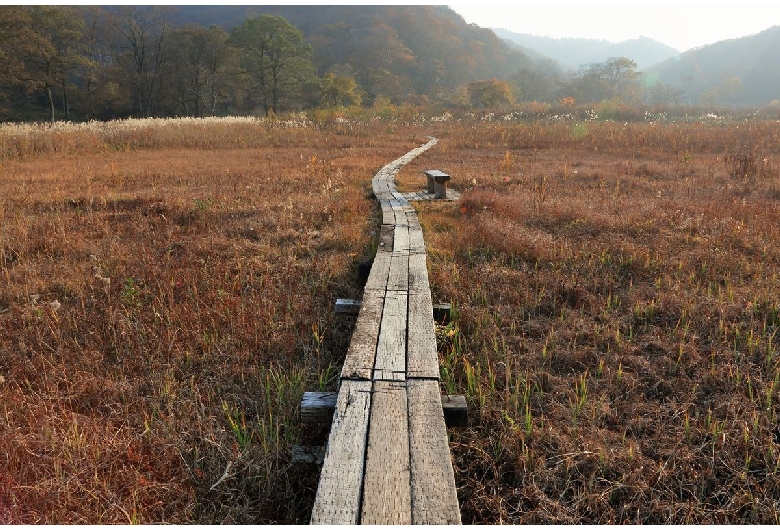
<point>15,28</point>
<point>202,58</point>
<point>53,51</point>
<point>275,58</point>
<point>339,91</point>
<point>614,79</point>
<point>488,94</point>
<point>143,32</point>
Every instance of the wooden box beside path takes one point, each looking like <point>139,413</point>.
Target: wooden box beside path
<point>437,183</point>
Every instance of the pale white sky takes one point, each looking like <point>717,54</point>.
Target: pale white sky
<point>682,26</point>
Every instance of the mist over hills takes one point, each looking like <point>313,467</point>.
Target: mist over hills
<point>744,71</point>
<point>735,72</point>
<point>571,53</point>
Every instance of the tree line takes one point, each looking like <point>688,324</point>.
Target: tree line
<point>90,63</point>
<point>83,63</point>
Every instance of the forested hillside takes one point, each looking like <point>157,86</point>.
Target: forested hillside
<point>742,71</point>
<point>91,62</point>
<point>100,63</point>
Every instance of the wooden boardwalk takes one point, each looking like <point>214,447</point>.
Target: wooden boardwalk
<point>388,458</point>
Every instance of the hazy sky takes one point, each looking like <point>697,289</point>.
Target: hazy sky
<point>682,26</point>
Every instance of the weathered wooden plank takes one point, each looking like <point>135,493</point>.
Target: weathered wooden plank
<point>388,215</point>
<point>435,173</point>
<point>403,456</point>
<point>401,239</point>
<point>401,218</point>
<point>416,241</point>
<point>386,238</point>
<point>390,362</point>
<point>398,278</point>
<point>307,454</point>
<point>341,479</point>
<point>434,497</point>
<point>381,187</point>
<point>441,312</point>
<point>387,482</point>
<point>359,361</point>
<point>439,189</point>
<point>318,407</point>
<point>422,358</point>
<point>418,273</point>
<point>377,278</point>
<point>364,269</point>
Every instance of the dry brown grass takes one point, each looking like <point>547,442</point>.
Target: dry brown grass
<point>167,295</point>
<point>618,305</point>
<point>161,312</point>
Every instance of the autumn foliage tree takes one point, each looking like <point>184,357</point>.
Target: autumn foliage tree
<point>489,94</point>
<point>614,79</point>
<point>339,91</point>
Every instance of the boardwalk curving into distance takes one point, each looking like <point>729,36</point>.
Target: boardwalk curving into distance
<point>388,460</point>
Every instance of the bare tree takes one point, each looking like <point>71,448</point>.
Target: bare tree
<point>143,54</point>
<point>202,58</point>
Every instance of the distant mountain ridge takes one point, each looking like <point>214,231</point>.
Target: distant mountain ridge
<point>571,53</point>
<point>744,71</point>
<point>734,72</point>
